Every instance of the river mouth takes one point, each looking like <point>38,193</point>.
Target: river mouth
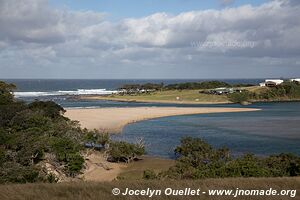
<point>272,130</point>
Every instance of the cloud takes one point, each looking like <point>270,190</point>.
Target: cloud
<point>226,2</point>
<point>35,36</point>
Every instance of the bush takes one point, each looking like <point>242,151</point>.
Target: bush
<point>244,96</point>
<point>149,175</point>
<point>120,151</point>
<point>5,93</point>
<point>48,108</point>
<point>64,148</point>
<point>97,138</point>
<point>15,173</point>
<point>196,159</point>
<point>51,178</point>
<point>75,164</point>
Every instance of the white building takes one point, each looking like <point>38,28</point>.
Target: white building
<point>271,82</point>
<point>295,79</point>
<point>263,84</point>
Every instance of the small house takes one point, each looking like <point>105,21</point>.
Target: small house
<point>271,82</point>
<point>295,80</point>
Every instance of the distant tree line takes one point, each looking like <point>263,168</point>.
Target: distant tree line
<point>197,85</point>
<point>196,159</point>
<point>146,86</point>
<point>182,86</point>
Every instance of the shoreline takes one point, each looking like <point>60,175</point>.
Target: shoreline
<point>113,120</point>
<point>98,169</point>
<point>105,98</point>
<point>151,101</point>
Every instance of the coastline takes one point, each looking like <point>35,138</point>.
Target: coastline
<point>105,98</point>
<point>113,120</point>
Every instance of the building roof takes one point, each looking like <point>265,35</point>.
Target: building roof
<point>295,79</point>
<point>274,80</point>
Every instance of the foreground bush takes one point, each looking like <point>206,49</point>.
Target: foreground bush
<point>196,159</point>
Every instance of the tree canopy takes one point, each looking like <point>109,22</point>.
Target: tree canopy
<point>197,159</point>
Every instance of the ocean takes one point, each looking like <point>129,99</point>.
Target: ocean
<point>274,129</point>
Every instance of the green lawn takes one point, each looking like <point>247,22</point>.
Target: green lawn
<point>175,96</point>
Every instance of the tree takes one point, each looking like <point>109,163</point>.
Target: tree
<point>196,159</point>
<point>241,97</point>
<point>120,151</point>
<point>49,108</point>
<point>6,93</point>
<point>75,164</point>
<point>28,131</point>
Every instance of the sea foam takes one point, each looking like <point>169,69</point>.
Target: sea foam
<point>64,93</point>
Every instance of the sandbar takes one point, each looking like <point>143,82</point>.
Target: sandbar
<point>112,120</point>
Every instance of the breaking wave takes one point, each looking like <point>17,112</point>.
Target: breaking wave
<point>65,93</point>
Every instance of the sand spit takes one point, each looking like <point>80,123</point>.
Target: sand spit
<point>113,120</point>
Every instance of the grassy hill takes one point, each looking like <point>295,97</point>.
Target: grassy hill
<point>96,191</point>
<point>289,91</point>
<point>168,96</point>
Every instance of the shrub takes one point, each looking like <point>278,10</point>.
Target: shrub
<point>196,159</point>
<point>120,151</point>
<point>75,164</point>
<point>149,175</point>
<point>27,131</point>
<point>48,108</point>
<point>241,97</point>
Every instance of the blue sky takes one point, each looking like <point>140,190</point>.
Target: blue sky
<point>118,9</point>
<point>149,39</point>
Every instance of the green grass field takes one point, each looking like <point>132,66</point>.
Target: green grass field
<point>99,191</point>
<point>171,96</point>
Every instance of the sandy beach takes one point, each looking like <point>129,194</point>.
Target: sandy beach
<point>112,120</point>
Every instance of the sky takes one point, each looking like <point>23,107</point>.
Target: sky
<point>146,39</point>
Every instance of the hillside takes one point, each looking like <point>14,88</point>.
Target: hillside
<point>192,93</point>
<point>168,96</point>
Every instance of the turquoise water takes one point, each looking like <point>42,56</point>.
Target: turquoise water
<point>274,129</point>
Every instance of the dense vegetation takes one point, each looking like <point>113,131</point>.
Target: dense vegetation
<point>147,86</point>
<point>196,159</point>
<point>120,151</point>
<point>37,133</point>
<point>197,85</point>
<point>181,86</point>
<point>30,132</point>
<point>285,91</point>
